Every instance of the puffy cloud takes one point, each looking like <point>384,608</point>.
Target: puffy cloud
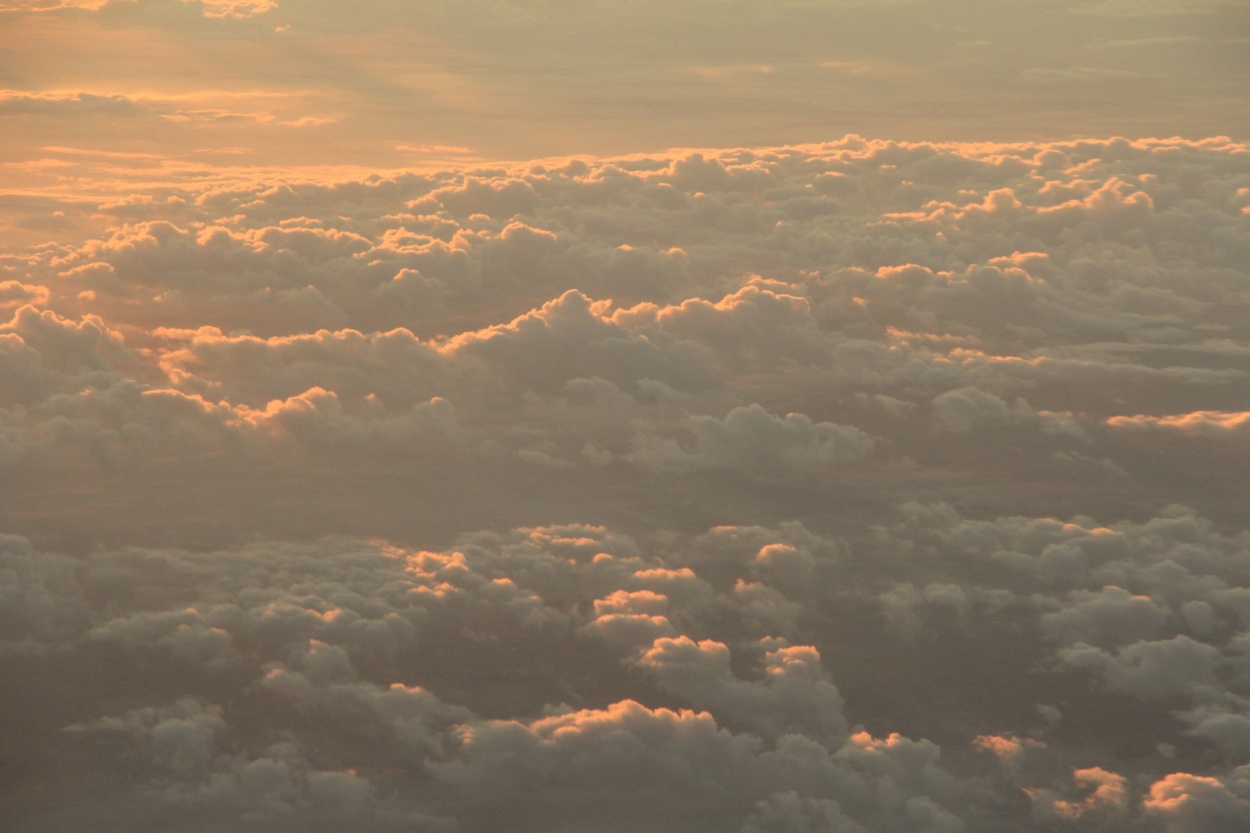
<point>788,813</point>
<point>1112,616</point>
<point>1105,800</point>
<point>904,606</point>
<point>1162,669</point>
<point>190,771</point>
<point>1185,802</point>
<point>965,410</point>
<point>1013,752</point>
<point>16,293</point>
<point>318,418</point>
<point>325,629</point>
<point>1223,721</point>
<point>566,490</point>
<point>785,567</point>
<point>40,600</point>
<point>793,696</point>
<point>751,439</point>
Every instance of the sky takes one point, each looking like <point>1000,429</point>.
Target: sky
<point>723,415</point>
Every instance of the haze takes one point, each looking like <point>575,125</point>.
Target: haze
<point>764,417</point>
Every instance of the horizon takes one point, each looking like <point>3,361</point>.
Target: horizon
<point>452,417</point>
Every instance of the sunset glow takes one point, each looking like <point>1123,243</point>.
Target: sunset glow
<point>729,416</point>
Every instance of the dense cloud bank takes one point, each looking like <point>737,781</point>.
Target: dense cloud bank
<point>852,487</point>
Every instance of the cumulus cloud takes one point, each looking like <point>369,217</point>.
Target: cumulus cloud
<point>793,698</point>
<point>862,486</point>
<point>965,410</point>
<point>750,438</point>
<point>1185,802</point>
<point>1105,800</point>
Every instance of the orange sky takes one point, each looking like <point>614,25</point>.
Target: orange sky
<point>96,95</point>
<point>580,416</point>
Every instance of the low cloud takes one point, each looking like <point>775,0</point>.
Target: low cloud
<point>846,486</point>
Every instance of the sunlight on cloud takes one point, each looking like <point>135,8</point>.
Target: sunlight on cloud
<point>396,530</point>
<point>474,416</point>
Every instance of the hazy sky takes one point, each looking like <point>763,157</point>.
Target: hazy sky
<point>390,84</point>
<point>717,416</point>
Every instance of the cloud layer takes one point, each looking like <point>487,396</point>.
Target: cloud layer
<point>862,486</point>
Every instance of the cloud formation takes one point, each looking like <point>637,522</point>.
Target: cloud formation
<point>862,486</point>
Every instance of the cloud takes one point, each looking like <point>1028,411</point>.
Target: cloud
<point>752,439</point>
<point>965,410</point>
<point>193,774</point>
<point>68,103</point>
<point>1151,668</point>
<point>785,812</point>
<point>774,486</point>
<point>1049,76</point>
<point>794,696</point>
<point>1201,423</point>
<point>16,293</point>
<point>323,628</point>
<point>1106,799</point>
<point>1112,616</point>
<point>1194,802</point>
